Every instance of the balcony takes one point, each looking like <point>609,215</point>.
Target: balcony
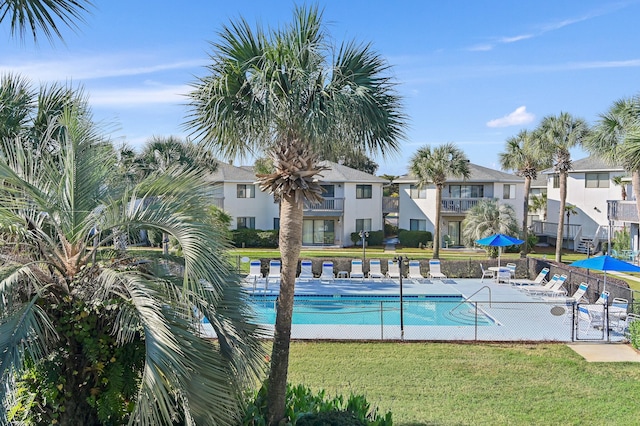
<point>328,207</point>
<point>390,205</point>
<point>623,211</point>
<point>458,205</point>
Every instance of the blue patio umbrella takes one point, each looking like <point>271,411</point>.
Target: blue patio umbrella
<point>499,240</point>
<point>606,263</point>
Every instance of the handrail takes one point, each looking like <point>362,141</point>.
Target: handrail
<point>467,298</point>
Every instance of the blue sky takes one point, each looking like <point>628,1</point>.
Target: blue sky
<point>471,72</point>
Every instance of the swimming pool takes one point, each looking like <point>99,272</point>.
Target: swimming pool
<point>418,310</point>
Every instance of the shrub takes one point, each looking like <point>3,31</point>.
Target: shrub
<point>390,229</point>
<point>634,334</point>
<point>414,238</point>
<point>376,238</point>
<point>315,409</point>
<point>254,238</point>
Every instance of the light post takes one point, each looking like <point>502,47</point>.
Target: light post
<point>364,235</point>
<point>401,260</point>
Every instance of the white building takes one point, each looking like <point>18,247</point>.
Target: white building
<point>352,202</point>
<point>589,187</point>
<point>417,207</point>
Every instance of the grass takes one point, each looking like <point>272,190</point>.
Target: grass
<point>472,384</point>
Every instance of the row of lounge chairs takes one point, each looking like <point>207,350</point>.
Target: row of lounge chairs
<point>375,271</point>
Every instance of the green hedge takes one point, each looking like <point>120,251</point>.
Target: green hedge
<point>414,238</point>
<point>255,238</point>
<point>376,238</point>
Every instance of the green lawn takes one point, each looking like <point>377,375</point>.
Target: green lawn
<point>473,384</point>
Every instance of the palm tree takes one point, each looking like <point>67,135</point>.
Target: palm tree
<point>486,218</point>
<point>569,210</point>
<point>618,180</point>
<point>616,139</point>
<point>522,155</point>
<point>34,16</point>
<point>275,93</point>
<point>110,338</point>
<point>437,165</point>
<point>539,203</point>
<point>558,135</point>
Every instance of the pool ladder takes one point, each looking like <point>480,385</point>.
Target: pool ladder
<point>468,298</point>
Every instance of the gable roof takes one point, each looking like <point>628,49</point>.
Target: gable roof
<point>478,174</point>
<point>594,163</point>
<point>341,173</point>
<point>228,173</point>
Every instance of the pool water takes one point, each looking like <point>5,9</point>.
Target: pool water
<point>368,310</point>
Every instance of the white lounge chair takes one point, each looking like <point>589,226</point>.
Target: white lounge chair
<point>374,269</point>
<point>434,269</point>
<point>254,271</point>
<point>486,273</point>
<point>274,271</point>
<point>539,280</point>
<point>576,297</point>
<point>414,270</point>
<point>356,269</point>
<point>590,316</point>
<point>306,270</point>
<point>553,284</point>
<point>603,299</point>
<point>327,271</point>
<point>512,269</point>
<point>393,269</point>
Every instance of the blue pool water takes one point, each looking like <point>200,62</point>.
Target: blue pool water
<point>370,310</point>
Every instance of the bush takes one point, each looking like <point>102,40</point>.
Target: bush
<point>305,408</point>
<point>414,238</point>
<point>254,238</point>
<point>634,334</point>
<point>390,229</point>
<point>376,238</point>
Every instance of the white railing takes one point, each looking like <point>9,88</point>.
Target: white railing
<point>458,205</point>
<point>333,204</point>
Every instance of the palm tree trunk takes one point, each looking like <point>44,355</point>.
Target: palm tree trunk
<point>436,227</point>
<point>525,214</point>
<point>290,243</point>
<point>563,202</point>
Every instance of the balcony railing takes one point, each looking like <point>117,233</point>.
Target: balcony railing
<point>390,205</point>
<point>550,229</point>
<point>218,202</point>
<point>458,205</point>
<point>328,204</point>
<point>624,211</point>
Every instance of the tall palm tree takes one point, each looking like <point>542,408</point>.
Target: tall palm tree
<point>486,218</point>
<point>558,135</point>
<point>523,155</point>
<point>437,165</point>
<point>41,15</point>
<point>616,139</point>
<point>539,203</point>
<point>109,335</point>
<point>276,93</point>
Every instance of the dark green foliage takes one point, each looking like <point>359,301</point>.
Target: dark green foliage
<point>390,229</point>
<point>414,238</point>
<point>87,358</point>
<point>331,418</point>
<point>634,334</point>
<point>254,238</point>
<point>305,408</point>
<point>375,238</point>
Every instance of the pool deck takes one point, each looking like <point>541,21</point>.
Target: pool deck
<point>517,316</point>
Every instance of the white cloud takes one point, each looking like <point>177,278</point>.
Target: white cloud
<point>155,94</point>
<point>516,118</point>
<point>515,38</point>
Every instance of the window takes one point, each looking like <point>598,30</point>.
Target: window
<point>417,192</point>
<point>328,191</point>
<point>246,191</point>
<point>246,223</point>
<point>363,225</point>
<point>596,180</point>
<point>466,191</point>
<point>556,181</point>
<point>363,191</point>
<point>509,192</point>
<point>417,224</point>
<point>276,223</point>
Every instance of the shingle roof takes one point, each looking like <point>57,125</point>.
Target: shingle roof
<point>594,163</point>
<point>336,173</point>
<point>478,174</point>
